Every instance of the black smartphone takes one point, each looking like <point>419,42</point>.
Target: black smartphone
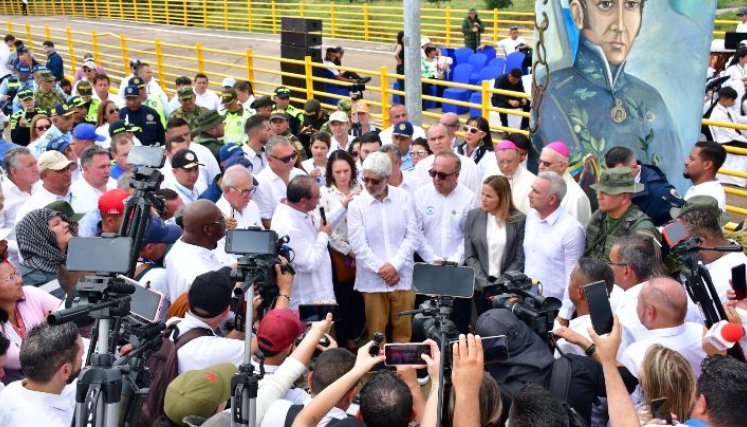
<point>674,232</point>
<point>143,155</point>
<point>739,281</point>
<point>316,312</point>
<point>660,409</point>
<point>599,307</point>
<point>251,241</point>
<point>494,349</point>
<point>405,354</point>
<point>443,280</point>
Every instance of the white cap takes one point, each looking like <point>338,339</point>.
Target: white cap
<point>424,41</point>
<point>228,82</point>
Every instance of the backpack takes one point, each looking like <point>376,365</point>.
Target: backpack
<point>163,367</point>
<point>560,382</point>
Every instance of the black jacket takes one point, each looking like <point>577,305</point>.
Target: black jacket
<point>658,195</point>
<point>147,119</point>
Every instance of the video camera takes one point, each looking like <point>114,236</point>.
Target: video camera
<point>514,294</point>
<point>259,250</point>
<point>356,91</point>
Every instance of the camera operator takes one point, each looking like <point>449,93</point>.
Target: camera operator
<point>309,237</point>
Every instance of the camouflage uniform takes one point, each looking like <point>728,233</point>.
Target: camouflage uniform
<point>296,144</point>
<point>45,101</point>
<point>189,116</point>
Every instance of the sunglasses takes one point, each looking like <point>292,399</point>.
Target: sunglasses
<point>440,175</point>
<point>470,129</point>
<point>287,159</point>
<point>42,127</point>
<point>354,153</point>
<point>112,111</point>
<point>372,181</point>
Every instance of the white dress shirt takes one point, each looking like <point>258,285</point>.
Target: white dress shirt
<point>259,160</point>
<point>383,232</point>
<point>209,100</point>
<point>184,262</point>
<point>552,246</point>
<point>386,134</point>
<point>521,184</point>
<point>508,45</point>
<point>23,407</point>
<point>14,199</point>
<point>496,235</point>
<point>686,339</point>
<point>168,174</point>
<point>469,174</point>
<point>313,265</point>
<point>331,200</point>
<point>580,325</point>
<point>39,199</point>
<point>271,190</point>
<point>720,271</point>
<point>247,217</point>
<point>576,202</point>
<point>709,188</point>
<point>741,27</point>
<point>337,145</point>
<point>86,196</point>
<point>206,351</point>
<point>188,196</point>
<point>724,135</point>
<point>441,219</point>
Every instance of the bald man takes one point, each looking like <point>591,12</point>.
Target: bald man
<point>451,122</point>
<point>194,253</point>
<point>662,307</point>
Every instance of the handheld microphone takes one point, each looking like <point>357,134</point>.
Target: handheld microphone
<point>323,215</point>
<point>723,335</point>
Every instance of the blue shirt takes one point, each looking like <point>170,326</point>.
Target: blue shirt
<point>54,65</point>
<point>696,423</point>
<point>5,146</point>
<point>116,171</point>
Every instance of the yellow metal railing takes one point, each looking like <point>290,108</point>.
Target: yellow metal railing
<point>168,61</point>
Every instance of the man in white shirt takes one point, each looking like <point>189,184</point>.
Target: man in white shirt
<point>723,112</point>
<point>94,181</point>
<point>383,232</point>
<point>51,358</point>
<point>236,203</point>
<point>742,25</point>
<point>56,174</point>
<point>258,132</point>
<point>5,49</point>
<point>511,43</point>
<point>662,305</point>
<point>509,165</point>
<point>586,271</point>
<point>205,97</point>
<point>398,178</point>
<point>553,240</point>
<point>701,166</point>
<point>185,182</point>
<point>554,157</point>
<point>195,253</point>
<point>293,218</point>
<point>397,114</point>
<point>273,180</point>
<point>439,140</point>
<point>101,86</point>
<point>21,181</point>
<point>340,127</point>
<point>179,127</point>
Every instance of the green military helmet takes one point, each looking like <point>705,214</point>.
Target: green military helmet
<point>701,201</point>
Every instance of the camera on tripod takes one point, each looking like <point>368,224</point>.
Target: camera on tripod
<point>514,294</point>
<point>356,91</point>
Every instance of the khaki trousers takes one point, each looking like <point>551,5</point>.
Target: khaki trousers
<point>382,308</point>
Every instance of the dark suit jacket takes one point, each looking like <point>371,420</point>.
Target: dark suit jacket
<point>476,245</point>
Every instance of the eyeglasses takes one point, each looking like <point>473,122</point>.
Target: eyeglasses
<point>42,127</point>
<point>470,129</point>
<point>546,163</point>
<point>247,191</point>
<point>286,159</point>
<point>619,264</point>
<point>372,181</point>
<point>440,175</point>
<point>112,111</point>
<point>11,278</point>
<point>421,153</point>
<point>354,153</point>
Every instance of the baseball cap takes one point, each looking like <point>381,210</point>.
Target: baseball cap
<point>278,114</point>
<point>63,207</point>
<point>45,75</point>
<point>185,159</point>
<point>185,92</point>
<point>210,293</point>
<point>58,144</point>
<point>262,101</point>
<point>23,68</point>
<point>87,132</point>
<point>228,82</point>
<point>136,81</point>
<point>160,232</point>
<point>338,116</point>
<point>198,392</point>
<point>53,160</point>
<point>278,329</point>
<point>61,109</point>
<point>25,94</point>
<point>282,92</point>
<point>229,150</point>
<point>403,129</point>
<point>132,91</point>
<point>112,202</point>
<point>227,96</point>
<point>120,126</point>
<point>88,63</point>
<point>76,101</point>
<point>559,148</point>
<point>506,145</point>
<point>742,12</point>
<point>360,107</point>
<point>84,88</point>
<point>312,107</point>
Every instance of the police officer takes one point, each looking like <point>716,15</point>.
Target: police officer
<point>234,117</point>
<point>150,99</point>
<point>209,131</point>
<point>189,110</point>
<point>20,132</point>
<point>263,105</point>
<point>80,109</point>
<point>85,92</point>
<point>47,95</point>
<point>13,84</point>
<point>617,215</point>
<point>151,130</point>
<point>282,103</point>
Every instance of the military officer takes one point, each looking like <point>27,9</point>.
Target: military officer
<point>189,110</point>
<point>210,131</point>
<point>47,95</point>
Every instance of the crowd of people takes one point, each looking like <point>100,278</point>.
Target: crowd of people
<point>360,207</point>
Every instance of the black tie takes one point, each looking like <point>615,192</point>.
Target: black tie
<point>732,120</point>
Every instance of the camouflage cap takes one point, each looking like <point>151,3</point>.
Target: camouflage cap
<point>345,105</point>
<point>701,201</point>
<point>617,181</point>
<point>84,88</point>
<point>45,75</point>
<point>208,120</point>
<point>278,114</point>
<point>185,92</point>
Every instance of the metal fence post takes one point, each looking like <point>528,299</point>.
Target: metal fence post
<point>448,27</point>
<point>332,17</point>
<point>204,14</point>
<point>95,45</point>
<point>365,21</point>
<point>150,10</point>
<point>495,25</point>
<point>384,97</point>
<point>309,71</point>
<point>200,58</point>
<point>30,42</point>
<point>274,12</point>
<point>159,62</point>
<point>70,50</point>
<point>250,67</point>
<point>108,9</point>
<point>47,32</point>
<point>125,56</point>
<point>225,14</point>
<point>166,11</point>
<point>121,10</point>
<point>485,100</point>
<point>300,8</point>
<point>249,15</point>
<point>184,10</point>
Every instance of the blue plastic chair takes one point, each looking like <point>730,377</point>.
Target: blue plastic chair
<point>515,60</point>
<point>341,90</point>
<point>499,63</point>
<point>489,73</point>
<point>477,61</point>
<point>475,98</point>
<point>462,55</point>
<point>396,99</point>
<point>461,74</point>
<point>488,51</point>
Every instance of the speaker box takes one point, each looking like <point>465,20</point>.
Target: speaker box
<point>300,70</point>
<point>299,52</point>
<point>300,25</point>
<point>300,39</point>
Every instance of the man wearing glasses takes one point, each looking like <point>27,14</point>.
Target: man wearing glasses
<point>273,180</point>
<point>236,203</point>
<point>383,232</point>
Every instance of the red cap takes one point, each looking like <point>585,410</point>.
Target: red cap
<point>112,202</point>
<point>732,332</point>
<point>278,329</point>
